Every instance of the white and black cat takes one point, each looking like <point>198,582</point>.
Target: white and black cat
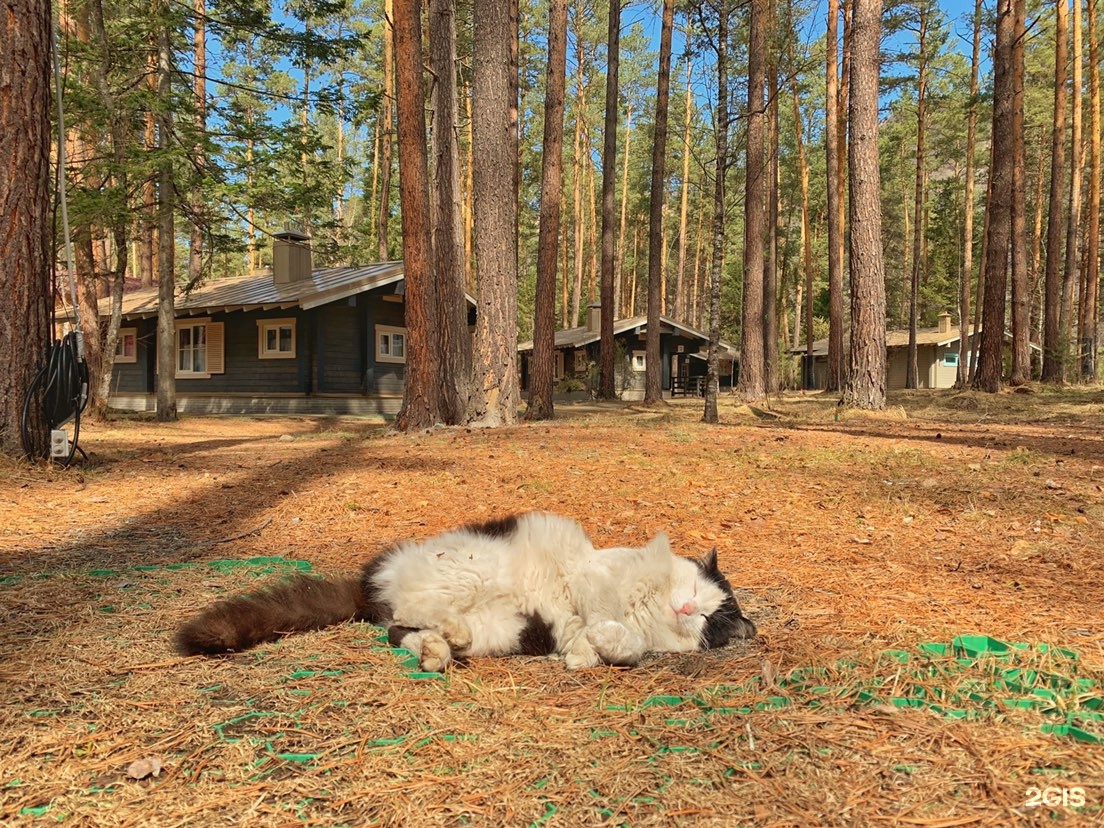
<point>526,585</point>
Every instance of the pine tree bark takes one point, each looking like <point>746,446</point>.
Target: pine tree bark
<point>912,370</point>
<point>999,205</point>
<point>1071,279</point>
<point>199,91</point>
<point>806,232</point>
<point>653,391</point>
<point>679,306</point>
<point>166,236</point>
<point>542,367</point>
<point>119,146</point>
<point>606,389</point>
<point>24,213</point>
<point>1021,291</point>
<point>963,374</point>
<point>770,269</point>
<point>834,381</point>
<point>387,103</point>
<point>756,186</point>
<point>494,78</point>
<point>619,261</point>
<point>578,217</point>
<point>866,382</point>
<point>720,126</point>
<point>454,345</point>
<point>1089,317</point>
<point>421,406</point>
<point>1052,279</point>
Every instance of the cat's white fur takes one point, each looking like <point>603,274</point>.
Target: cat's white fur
<point>468,594</point>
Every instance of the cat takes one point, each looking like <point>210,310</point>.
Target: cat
<point>531,584</point>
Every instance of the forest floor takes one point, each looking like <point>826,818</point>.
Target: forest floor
<point>888,560</point>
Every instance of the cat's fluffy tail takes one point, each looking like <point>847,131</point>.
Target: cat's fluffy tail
<point>297,605</point>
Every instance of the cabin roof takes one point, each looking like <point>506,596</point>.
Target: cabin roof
<point>260,292</point>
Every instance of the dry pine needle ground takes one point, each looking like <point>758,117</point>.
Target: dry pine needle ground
<point>846,536</point>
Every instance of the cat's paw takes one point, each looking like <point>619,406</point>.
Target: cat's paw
<point>615,643</point>
<point>457,633</point>
<point>436,655</point>
<point>581,658</point>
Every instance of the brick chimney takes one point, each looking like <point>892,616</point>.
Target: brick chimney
<point>291,257</point>
<point>594,317</point>
<point>944,322</point>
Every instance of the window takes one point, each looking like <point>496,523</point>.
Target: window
<point>199,348</point>
<point>126,347</point>
<point>581,361</point>
<point>276,339</point>
<point>950,359</point>
<point>390,344</point>
<point>638,362</point>
<point>559,367</point>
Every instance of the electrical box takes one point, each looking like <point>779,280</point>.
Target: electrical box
<point>59,443</point>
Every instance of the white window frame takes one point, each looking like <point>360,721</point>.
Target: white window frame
<point>263,327</point>
<point>190,324</point>
<point>639,361</point>
<point>387,333</point>
<point>121,357</point>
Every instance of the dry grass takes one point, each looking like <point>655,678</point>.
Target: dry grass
<point>957,514</point>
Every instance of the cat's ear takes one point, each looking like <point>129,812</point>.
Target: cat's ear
<point>660,544</point>
<point>709,561</point>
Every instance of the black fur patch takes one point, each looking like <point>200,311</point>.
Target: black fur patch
<point>396,633</point>
<point>501,528</point>
<point>373,608</point>
<point>727,621</point>
<point>536,638</point>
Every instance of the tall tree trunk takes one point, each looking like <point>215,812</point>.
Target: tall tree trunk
<point>147,222</point>
<point>679,305</point>
<point>963,373</point>
<point>606,388</point>
<point>469,198</point>
<point>1052,279</point>
<point>1021,292</point>
<point>834,381</point>
<point>195,245</point>
<point>578,218</point>
<point>119,146</point>
<point>494,78</point>
<point>999,206</point>
<point>1089,297</point>
<point>421,406</point>
<point>387,103</point>
<point>454,372</point>
<point>979,294</point>
<point>620,256</point>
<point>912,371</point>
<point>720,127</point>
<point>1072,276</point>
<point>541,376</point>
<point>26,253</point>
<point>166,242</point>
<point>756,196</point>
<point>653,390</point>
<point>770,271</point>
<point>866,383</point>
<point>807,379</point>
<point>695,299</point>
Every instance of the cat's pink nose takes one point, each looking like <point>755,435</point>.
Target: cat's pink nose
<point>686,609</point>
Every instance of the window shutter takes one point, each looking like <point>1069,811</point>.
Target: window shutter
<point>215,348</point>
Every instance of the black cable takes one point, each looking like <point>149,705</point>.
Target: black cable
<point>60,387</point>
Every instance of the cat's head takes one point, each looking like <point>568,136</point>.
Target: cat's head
<point>702,603</point>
